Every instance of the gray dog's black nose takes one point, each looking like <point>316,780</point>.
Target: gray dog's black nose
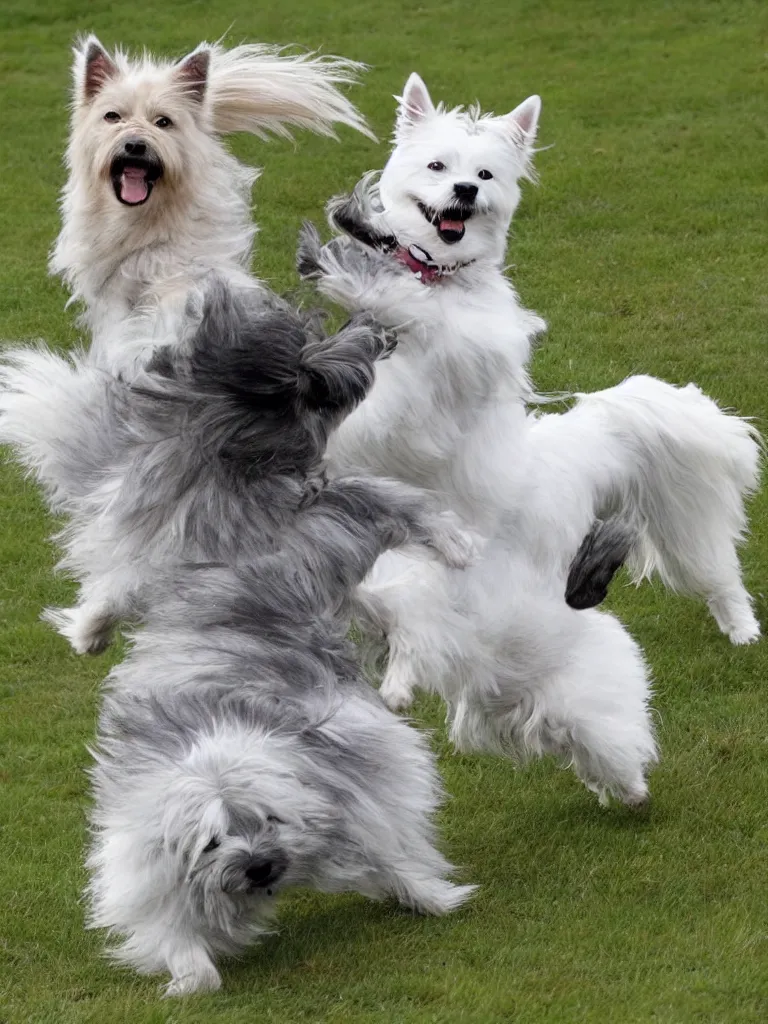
<point>465,189</point>
<point>136,147</point>
<point>263,872</point>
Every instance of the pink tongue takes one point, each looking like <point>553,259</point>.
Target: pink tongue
<point>133,185</point>
<point>452,225</point>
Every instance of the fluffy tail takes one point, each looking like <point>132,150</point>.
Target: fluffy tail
<point>686,468</point>
<point>261,89</point>
<point>52,416</point>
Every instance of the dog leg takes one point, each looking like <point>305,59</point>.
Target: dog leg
<point>732,611</point>
<point>89,627</point>
<point>192,970</point>
<point>597,712</point>
<point>678,468</point>
<point>592,713</point>
<point>400,678</point>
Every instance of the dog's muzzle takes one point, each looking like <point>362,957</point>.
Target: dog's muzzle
<point>262,873</point>
<point>450,222</point>
<point>134,172</point>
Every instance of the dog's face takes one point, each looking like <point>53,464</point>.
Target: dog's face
<point>451,184</point>
<point>138,130</point>
<point>236,821</point>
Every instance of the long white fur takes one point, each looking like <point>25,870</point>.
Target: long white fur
<point>520,670</point>
<point>133,265</point>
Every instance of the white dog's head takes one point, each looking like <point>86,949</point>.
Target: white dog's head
<point>451,184</point>
<point>139,127</point>
<point>143,125</point>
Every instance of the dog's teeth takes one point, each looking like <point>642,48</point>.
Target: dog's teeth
<point>419,254</point>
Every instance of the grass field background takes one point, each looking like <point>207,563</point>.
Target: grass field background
<point>645,249</point>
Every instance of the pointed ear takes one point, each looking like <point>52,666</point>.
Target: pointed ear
<point>414,105</point>
<point>93,67</point>
<point>192,72</point>
<point>523,121</point>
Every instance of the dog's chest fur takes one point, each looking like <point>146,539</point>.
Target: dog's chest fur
<point>454,381</point>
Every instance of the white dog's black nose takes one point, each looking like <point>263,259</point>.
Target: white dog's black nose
<point>137,147</point>
<point>465,190</point>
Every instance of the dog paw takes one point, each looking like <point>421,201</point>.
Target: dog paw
<point>383,339</point>
<point>187,984</point>
<point>397,700</point>
<point>86,634</point>
<point>455,547</point>
<point>389,342</point>
<point>747,633</point>
<point>397,688</point>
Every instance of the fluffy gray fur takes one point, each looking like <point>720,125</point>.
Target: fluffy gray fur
<point>240,753</point>
<point>213,452</point>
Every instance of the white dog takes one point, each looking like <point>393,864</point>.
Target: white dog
<point>154,200</point>
<point>521,671</point>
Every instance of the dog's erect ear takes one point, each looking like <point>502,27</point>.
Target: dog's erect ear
<point>523,121</point>
<point>93,68</point>
<point>413,106</point>
<point>192,72</point>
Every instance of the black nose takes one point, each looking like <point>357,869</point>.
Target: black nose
<point>263,872</point>
<point>465,189</point>
<point>135,147</point>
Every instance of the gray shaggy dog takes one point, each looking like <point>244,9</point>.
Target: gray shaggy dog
<point>212,452</point>
<point>240,752</point>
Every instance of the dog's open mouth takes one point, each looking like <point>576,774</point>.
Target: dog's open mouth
<point>133,178</point>
<point>449,223</point>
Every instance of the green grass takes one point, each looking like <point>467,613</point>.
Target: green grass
<point>644,247</point>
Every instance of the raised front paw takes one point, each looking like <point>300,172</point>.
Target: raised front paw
<point>384,339</point>
<point>452,543</point>
<point>309,252</point>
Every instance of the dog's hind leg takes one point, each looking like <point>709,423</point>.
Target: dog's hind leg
<point>676,469</point>
<point>592,712</point>
<point>697,463</point>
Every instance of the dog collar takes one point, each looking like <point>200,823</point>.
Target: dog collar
<point>423,266</point>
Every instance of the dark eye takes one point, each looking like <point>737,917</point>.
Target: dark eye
<point>213,844</point>
<point>163,122</point>
<point>112,115</point>
<point>273,818</point>
<point>485,175</point>
<point>436,165</point>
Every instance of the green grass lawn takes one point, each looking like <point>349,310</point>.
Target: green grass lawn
<point>645,248</point>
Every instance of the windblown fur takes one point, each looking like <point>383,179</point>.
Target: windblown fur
<point>521,671</point>
<point>213,452</point>
<point>241,753</point>
<point>154,200</point>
